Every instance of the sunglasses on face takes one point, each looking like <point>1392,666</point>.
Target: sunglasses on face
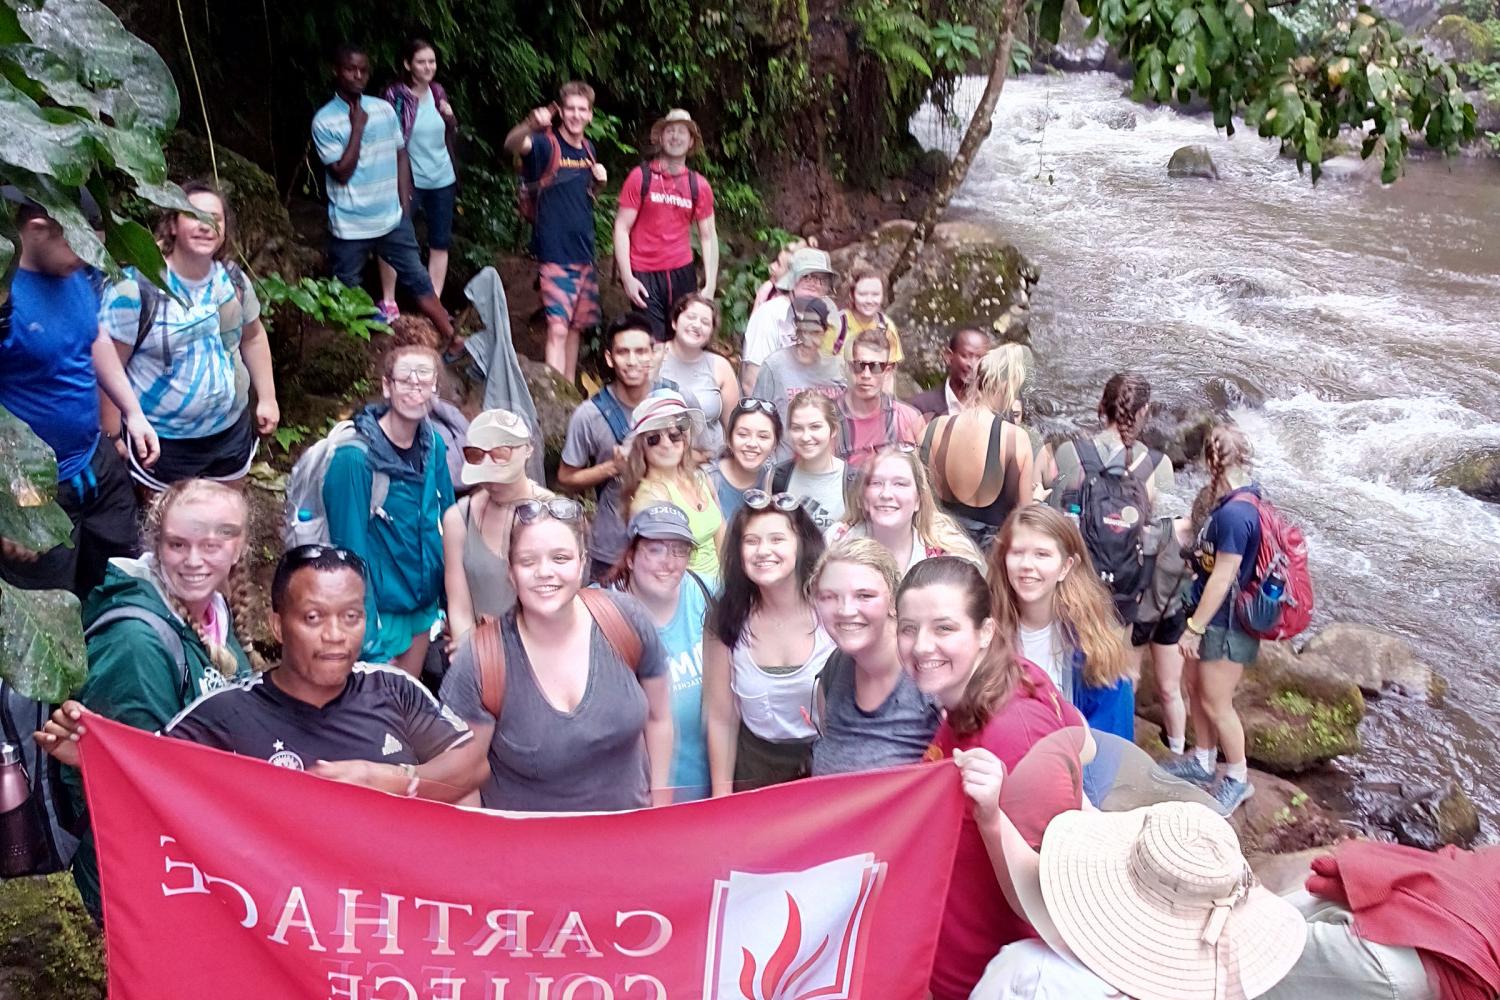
<point>750,404</point>
<point>499,453</point>
<point>558,508</point>
<point>872,367</point>
<point>760,500</point>
<point>302,555</point>
<point>673,435</point>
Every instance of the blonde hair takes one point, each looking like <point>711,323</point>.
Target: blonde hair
<point>1226,447</point>
<point>1081,604</point>
<point>636,469</point>
<point>862,552</point>
<point>1001,374</point>
<point>235,587</point>
<point>936,529</point>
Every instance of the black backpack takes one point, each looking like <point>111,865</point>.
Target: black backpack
<point>1114,512</point>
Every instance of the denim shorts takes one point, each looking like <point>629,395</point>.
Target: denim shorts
<point>1228,642</point>
<point>398,248</point>
<point>436,206</point>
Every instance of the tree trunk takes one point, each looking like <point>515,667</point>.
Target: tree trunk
<point>974,136</point>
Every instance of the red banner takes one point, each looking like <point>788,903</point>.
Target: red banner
<point>225,878</point>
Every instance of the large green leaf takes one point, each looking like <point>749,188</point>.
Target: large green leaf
<point>41,642</point>
<point>132,82</point>
<point>38,142</point>
<point>28,484</point>
<point>51,75</point>
<point>61,204</point>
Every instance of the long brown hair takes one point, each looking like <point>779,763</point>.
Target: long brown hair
<point>936,529</point>
<point>236,587</point>
<point>1081,604</point>
<point>998,675</point>
<point>1226,447</point>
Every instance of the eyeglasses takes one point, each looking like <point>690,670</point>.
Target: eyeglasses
<point>872,367</point>
<point>303,555</point>
<point>748,404</point>
<point>674,435</point>
<point>424,377</point>
<point>661,548</point>
<point>500,453</point>
<point>760,500</point>
<point>558,508</point>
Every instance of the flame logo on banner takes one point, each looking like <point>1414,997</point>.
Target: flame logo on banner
<point>776,983</point>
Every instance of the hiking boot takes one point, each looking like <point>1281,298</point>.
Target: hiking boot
<point>1231,793</point>
<point>1186,767</point>
<point>387,311</point>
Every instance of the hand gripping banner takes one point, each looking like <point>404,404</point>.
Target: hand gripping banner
<point>228,878</point>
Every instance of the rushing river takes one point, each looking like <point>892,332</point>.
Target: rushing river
<point>1369,316</point>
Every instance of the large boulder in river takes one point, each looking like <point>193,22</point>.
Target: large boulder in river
<point>1460,40</point>
<point>965,275</point>
<point>1193,161</point>
<point>1427,818</point>
<point>1379,662</point>
<point>1477,474</point>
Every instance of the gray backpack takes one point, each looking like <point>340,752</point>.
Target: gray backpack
<point>306,518</point>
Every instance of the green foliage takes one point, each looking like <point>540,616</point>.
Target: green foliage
<point>953,46</point>
<point>740,277</point>
<point>84,103</point>
<point>289,435</point>
<point>326,302</point>
<point>28,472</point>
<point>1361,74</point>
<point>899,39</point>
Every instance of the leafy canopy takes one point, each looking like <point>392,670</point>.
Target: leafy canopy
<point>1361,73</point>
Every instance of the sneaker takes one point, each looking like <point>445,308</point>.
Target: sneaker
<point>1231,793</point>
<point>1186,767</point>
<point>388,311</point>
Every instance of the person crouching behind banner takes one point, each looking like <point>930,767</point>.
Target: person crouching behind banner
<point>319,710</point>
<point>870,713</point>
<point>763,647</point>
<point>995,701</point>
<point>159,628</point>
<point>569,689</point>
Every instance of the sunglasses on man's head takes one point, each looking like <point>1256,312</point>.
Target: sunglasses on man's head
<point>558,508</point>
<point>760,500</point>
<point>500,453</point>
<point>302,555</point>
<point>873,367</point>
<point>673,435</point>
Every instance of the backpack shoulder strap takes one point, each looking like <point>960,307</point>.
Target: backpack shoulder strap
<point>781,477</point>
<point>693,189</point>
<point>236,278</point>
<point>618,631</point>
<point>165,634</point>
<point>645,181</point>
<point>554,162</point>
<point>614,413</point>
<point>151,298</point>
<point>489,659</point>
<point>1088,456</point>
<point>707,594</point>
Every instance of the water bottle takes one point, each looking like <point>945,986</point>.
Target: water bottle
<point>304,515</point>
<point>1273,587</point>
<point>1074,510</point>
<point>23,837</point>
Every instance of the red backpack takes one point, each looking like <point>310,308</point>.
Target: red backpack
<point>1277,602</point>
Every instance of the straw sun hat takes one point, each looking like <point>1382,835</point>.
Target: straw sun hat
<point>664,409</point>
<point>1160,903</point>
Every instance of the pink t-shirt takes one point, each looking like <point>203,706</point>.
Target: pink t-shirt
<point>977,921</point>
<point>660,239</point>
<point>867,435</point>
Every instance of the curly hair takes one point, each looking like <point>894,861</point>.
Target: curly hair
<point>997,674</point>
<point>166,226</point>
<point>1226,447</point>
<point>1081,604</point>
<point>1124,403</point>
<point>936,529</point>
<point>236,585</point>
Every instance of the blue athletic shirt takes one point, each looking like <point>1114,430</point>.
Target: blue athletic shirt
<point>1234,527</point>
<point>187,373</point>
<point>427,148</point>
<point>682,638</point>
<point>370,204</point>
<point>564,230</point>
<point>46,365</point>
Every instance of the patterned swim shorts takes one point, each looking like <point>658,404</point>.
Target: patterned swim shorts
<point>570,292</point>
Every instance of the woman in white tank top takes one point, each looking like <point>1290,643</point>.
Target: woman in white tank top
<point>763,648</point>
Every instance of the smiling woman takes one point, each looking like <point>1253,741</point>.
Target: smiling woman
<point>661,468</point>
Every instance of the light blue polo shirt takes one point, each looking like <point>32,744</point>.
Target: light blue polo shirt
<point>370,204</point>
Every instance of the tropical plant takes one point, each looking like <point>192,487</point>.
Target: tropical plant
<point>327,302</point>
<point>84,103</point>
<point>41,642</point>
<point>954,46</point>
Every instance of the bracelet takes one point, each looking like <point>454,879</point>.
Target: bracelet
<point>1194,627</point>
<point>412,779</point>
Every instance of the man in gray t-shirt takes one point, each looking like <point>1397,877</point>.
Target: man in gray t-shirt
<point>804,366</point>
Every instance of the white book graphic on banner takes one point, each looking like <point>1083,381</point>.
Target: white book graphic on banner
<point>791,935</point>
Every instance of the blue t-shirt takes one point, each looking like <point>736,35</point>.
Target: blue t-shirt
<point>682,638</point>
<point>1234,528</point>
<point>46,365</point>
<point>369,205</point>
<point>564,230</point>
<point>427,148</point>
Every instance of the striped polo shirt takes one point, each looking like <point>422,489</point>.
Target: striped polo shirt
<point>370,204</point>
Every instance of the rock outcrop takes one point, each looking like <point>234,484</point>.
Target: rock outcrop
<point>1379,662</point>
<point>1193,161</point>
<point>1477,474</point>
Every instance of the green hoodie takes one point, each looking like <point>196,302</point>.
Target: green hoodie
<point>133,679</point>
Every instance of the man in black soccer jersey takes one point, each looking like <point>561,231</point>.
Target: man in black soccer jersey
<point>320,710</point>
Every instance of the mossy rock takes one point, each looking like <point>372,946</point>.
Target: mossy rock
<point>1193,161</point>
<point>264,233</point>
<point>1467,41</point>
<point>1477,474</point>
<point>1295,717</point>
<point>49,948</point>
<point>333,363</point>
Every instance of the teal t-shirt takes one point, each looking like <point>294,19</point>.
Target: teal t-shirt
<point>682,638</point>
<point>427,148</point>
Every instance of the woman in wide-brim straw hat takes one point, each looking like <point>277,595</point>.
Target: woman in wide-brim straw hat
<point>661,468</point>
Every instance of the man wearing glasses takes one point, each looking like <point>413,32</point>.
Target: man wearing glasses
<point>871,419</point>
<point>401,541</point>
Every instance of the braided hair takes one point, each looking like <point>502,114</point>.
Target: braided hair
<point>1123,405</point>
<point>187,490</point>
<point>1226,447</point>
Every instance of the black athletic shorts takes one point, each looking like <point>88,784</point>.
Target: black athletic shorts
<point>663,289</point>
<point>223,456</point>
<point>1165,632</point>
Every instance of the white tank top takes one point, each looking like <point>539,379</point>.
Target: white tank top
<point>778,706</point>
